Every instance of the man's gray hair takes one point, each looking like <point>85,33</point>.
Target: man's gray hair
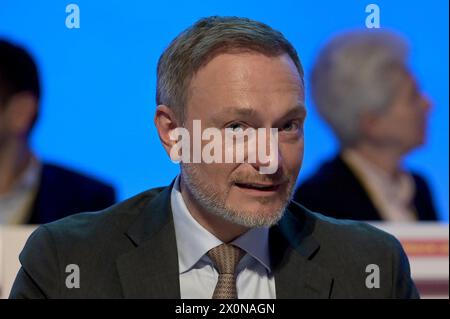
<point>357,72</point>
<point>204,40</point>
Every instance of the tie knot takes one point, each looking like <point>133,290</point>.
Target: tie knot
<point>226,257</point>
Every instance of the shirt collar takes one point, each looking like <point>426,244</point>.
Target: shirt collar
<point>194,241</point>
<point>256,243</point>
<point>27,180</point>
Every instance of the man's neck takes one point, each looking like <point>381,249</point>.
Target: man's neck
<point>219,227</point>
<point>14,159</point>
<point>387,161</point>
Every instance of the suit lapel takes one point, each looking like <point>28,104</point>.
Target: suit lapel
<point>150,270</point>
<point>293,248</point>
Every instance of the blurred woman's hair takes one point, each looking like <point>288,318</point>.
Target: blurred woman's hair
<point>357,72</point>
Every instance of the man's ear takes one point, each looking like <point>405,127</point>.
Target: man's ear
<point>166,122</point>
<point>21,112</point>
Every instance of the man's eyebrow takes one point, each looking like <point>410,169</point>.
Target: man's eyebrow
<point>239,110</point>
<point>299,109</point>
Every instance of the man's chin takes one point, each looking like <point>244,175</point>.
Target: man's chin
<point>256,215</point>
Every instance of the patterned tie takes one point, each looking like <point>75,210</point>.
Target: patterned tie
<point>226,257</point>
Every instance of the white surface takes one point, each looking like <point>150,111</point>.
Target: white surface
<point>12,240</point>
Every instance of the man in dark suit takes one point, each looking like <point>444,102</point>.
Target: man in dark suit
<point>31,191</point>
<point>363,88</point>
<point>130,251</point>
<point>221,229</point>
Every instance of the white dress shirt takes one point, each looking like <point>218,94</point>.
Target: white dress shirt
<point>16,204</point>
<point>198,276</point>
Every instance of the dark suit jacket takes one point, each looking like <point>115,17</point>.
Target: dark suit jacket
<point>335,191</point>
<point>62,192</point>
<point>129,251</point>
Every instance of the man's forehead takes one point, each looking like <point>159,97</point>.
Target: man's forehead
<point>244,89</point>
<point>248,70</point>
<point>253,112</point>
<point>247,82</point>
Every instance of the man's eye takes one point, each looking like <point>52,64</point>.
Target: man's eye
<point>236,126</point>
<point>291,126</point>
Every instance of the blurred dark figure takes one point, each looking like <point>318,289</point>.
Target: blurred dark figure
<point>363,89</point>
<point>30,191</point>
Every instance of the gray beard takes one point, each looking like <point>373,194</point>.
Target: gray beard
<point>212,203</point>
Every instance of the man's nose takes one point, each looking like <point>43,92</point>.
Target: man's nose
<point>268,157</point>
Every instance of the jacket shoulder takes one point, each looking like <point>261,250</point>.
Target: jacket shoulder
<point>357,234</point>
<point>350,250</point>
<point>92,241</point>
<point>118,216</point>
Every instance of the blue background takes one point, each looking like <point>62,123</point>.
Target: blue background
<point>99,80</point>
